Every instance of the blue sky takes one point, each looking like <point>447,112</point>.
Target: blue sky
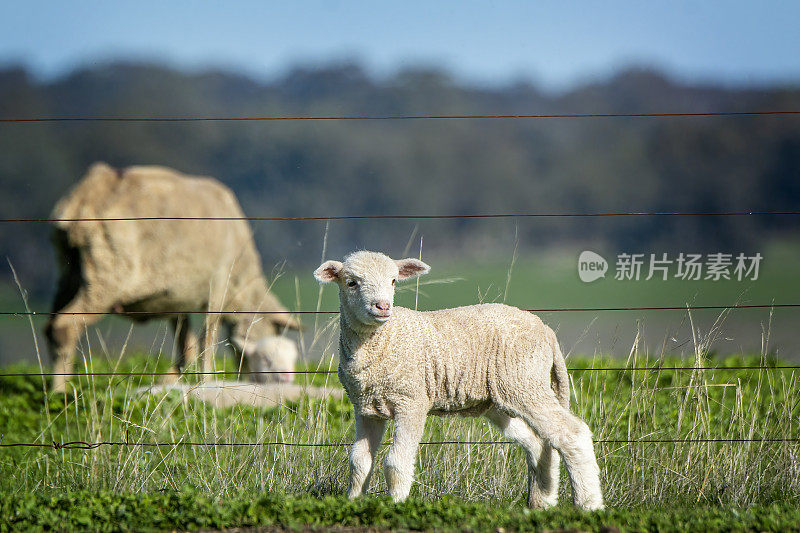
<point>555,44</point>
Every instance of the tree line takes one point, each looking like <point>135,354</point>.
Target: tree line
<point>316,168</point>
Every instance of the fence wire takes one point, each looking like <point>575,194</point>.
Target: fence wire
<point>423,217</point>
<point>83,445</point>
<point>22,120</point>
<point>328,372</point>
<point>535,310</point>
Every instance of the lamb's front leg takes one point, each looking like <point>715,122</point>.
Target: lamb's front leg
<point>399,463</point>
<point>369,432</point>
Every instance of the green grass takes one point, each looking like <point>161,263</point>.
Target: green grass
<point>679,486</point>
<point>647,486</point>
<point>188,509</point>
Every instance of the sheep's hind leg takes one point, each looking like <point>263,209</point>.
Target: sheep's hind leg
<point>208,353</point>
<point>542,459</point>
<point>369,432</point>
<point>185,350</point>
<point>572,438</point>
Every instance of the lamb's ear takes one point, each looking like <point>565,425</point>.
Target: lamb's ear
<point>328,271</point>
<point>410,268</point>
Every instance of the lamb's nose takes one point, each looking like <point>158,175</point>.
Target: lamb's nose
<point>383,306</point>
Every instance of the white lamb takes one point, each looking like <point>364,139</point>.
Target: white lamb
<point>492,360</point>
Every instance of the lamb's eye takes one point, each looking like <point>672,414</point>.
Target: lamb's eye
<point>352,284</point>
<point>394,281</point>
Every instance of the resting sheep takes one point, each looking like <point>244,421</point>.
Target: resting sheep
<point>491,360</point>
<point>162,268</point>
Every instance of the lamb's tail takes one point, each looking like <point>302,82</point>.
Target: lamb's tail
<point>559,375</point>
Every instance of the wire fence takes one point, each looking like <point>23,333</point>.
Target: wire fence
<point>22,120</point>
<point>419,217</point>
<point>328,372</point>
<point>89,446</point>
<point>83,445</point>
<point>533,310</point>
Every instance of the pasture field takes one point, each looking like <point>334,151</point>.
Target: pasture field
<point>544,281</point>
<point>550,280</point>
<point>206,474</point>
<point>188,482</point>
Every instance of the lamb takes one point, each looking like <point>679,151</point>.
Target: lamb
<point>162,268</point>
<point>488,360</point>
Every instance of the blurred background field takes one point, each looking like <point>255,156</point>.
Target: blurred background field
<point>548,280</point>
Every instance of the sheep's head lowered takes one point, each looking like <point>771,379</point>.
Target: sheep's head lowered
<point>273,354</point>
<point>366,284</point>
<point>270,357</point>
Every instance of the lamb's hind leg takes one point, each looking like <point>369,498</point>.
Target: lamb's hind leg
<point>571,437</point>
<point>542,459</point>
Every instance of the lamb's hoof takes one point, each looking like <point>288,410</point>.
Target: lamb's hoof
<point>540,502</point>
<point>592,506</point>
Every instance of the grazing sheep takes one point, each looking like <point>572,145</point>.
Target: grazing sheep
<point>491,360</point>
<point>272,358</point>
<point>162,268</point>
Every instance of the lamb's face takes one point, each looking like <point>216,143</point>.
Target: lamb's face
<point>367,286</point>
<point>367,281</point>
